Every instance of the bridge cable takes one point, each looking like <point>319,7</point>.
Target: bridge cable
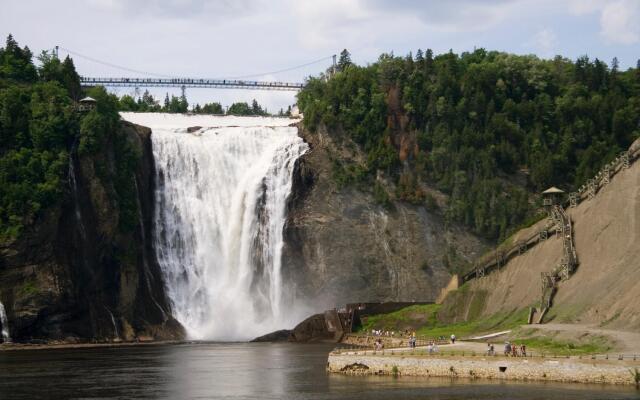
<point>281,70</point>
<point>174,76</point>
<point>115,65</point>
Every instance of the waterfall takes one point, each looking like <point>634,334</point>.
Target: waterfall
<point>113,322</point>
<point>4,323</point>
<point>222,185</point>
<point>73,183</point>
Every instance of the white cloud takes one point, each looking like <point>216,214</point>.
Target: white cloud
<point>368,23</point>
<point>583,7</point>
<point>619,19</point>
<point>620,22</point>
<point>545,42</point>
<point>452,15</point>
<point>323,23</point>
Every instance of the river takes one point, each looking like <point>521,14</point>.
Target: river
<point>240,371</point>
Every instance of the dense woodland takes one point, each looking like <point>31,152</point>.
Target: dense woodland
<point>40,129</point>
<point>487,128</point>
<point>174,104</point>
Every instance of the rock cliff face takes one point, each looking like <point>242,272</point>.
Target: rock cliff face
<point>340,246</point>
<point>75,275</point>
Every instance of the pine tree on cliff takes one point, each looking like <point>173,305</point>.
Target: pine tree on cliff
<point>70,78</point>
<point>16,63</point>
<point>345,60</point>
<point>428,61</point>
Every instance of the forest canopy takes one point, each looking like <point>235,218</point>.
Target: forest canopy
<point>487,128</point>
<point>39,129</point>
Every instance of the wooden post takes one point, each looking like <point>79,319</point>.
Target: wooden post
<point>625,159</point>
<point>573,199</point>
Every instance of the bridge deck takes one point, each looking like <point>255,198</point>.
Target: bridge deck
<point>190,82</point>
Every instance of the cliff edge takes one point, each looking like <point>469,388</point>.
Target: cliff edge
<point>342,246</point>
<point>77,274</point>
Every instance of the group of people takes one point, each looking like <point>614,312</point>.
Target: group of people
<point>380,332</point>
<point>510,349</point>
<point>412,340</point>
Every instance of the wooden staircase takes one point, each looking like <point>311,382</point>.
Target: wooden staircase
<point>566,267</point>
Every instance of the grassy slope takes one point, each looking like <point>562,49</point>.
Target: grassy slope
<point>424,320</point>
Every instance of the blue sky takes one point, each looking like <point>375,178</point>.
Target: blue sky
<point>228,38</point>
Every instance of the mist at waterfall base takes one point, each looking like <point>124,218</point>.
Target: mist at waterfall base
<point>222,184</point>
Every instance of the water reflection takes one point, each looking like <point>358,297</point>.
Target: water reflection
<point>241,371</point>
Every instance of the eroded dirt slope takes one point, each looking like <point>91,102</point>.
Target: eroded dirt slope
<point>605,289</point>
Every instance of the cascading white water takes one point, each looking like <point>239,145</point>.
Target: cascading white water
<point>220,210</point>
<point>6,338</point>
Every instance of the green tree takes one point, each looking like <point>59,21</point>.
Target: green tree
<point>344,61</point>
<point>475,124</point>
<point>241,108</point>
<point>16,63</point>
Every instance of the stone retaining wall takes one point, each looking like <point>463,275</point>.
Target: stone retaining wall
<point>522,369</point>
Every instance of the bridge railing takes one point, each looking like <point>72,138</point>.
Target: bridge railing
<point>190,82</point>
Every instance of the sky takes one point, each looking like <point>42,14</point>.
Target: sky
<point>255,39</point>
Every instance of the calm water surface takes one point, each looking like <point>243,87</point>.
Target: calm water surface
<point>240,371</point>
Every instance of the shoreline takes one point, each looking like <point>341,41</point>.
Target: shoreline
<point>54,346</point>
<point>567,370</point>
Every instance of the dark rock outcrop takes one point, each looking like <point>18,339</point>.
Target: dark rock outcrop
<point>75,275</point>
<point>313,329</point>
<point>341,247</point>
<point>283,335</point>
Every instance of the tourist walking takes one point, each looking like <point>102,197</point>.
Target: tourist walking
<point>490,350</point>
<point>453,339</point>
<point>507,348</point>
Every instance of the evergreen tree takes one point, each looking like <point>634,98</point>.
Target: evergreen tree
<point>71,78</point>
<point>184,104</point>
<point>344,61</point>
<point>16,63</point>
<point>256,109</point>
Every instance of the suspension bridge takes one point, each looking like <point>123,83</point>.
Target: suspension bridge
<point>159,80</point>
<point>190,83</point>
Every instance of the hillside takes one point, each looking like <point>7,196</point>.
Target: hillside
<point>490,130</point>
<point>606,285</point>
